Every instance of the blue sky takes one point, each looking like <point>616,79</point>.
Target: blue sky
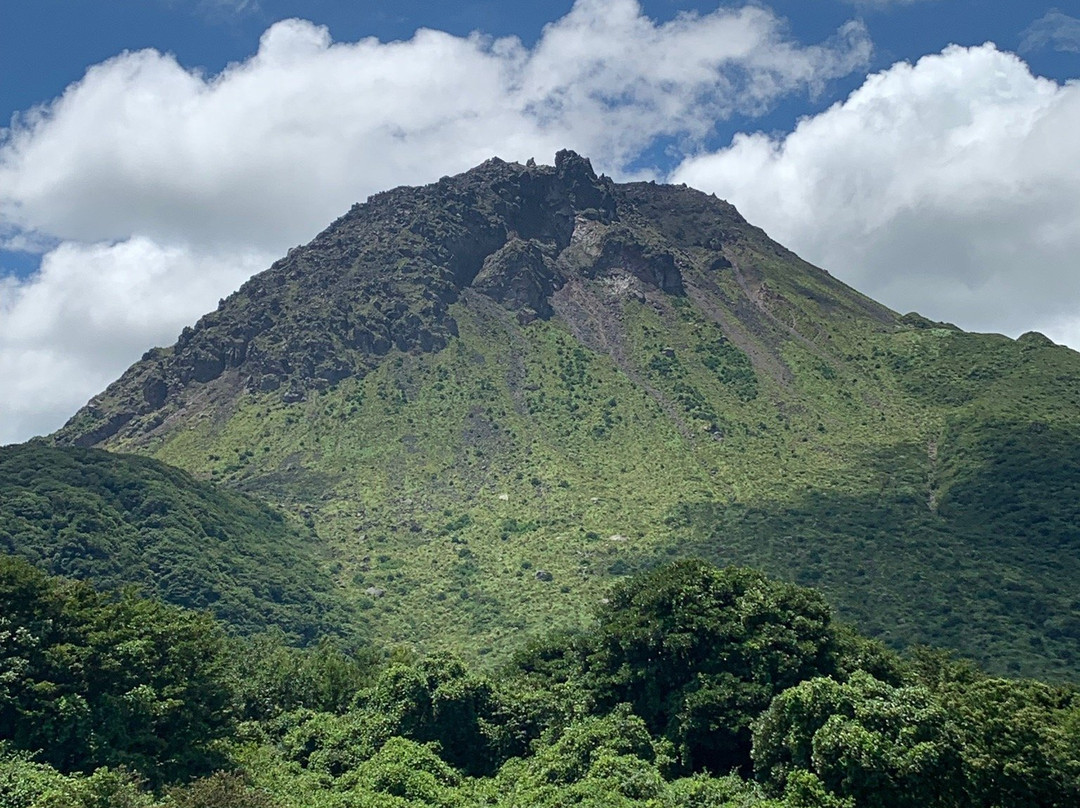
<point>158,152</point>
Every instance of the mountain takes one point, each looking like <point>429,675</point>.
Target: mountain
<point>494,394</point>
<point>118,520</point>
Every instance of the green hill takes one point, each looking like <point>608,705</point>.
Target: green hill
<point>495,394</point>
<point>120,519</point>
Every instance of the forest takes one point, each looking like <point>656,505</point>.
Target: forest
<point>692,685</point>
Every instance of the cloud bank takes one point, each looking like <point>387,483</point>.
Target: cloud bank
<point>165,188</point>
<point>289,138</point>
<point>66,330</point>
<point>951,186</point>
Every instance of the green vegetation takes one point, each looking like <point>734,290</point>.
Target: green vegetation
<point>693,686</point>
<point>444,482</point>
<point>90,680</point>
<point>495,396</point>
<point>119,520</point>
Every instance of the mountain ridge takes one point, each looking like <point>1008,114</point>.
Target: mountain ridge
<point>493,394</point>
<point>124,520</point>
<point>518,254</point>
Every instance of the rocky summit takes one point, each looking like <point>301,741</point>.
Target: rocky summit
<point>534,239</point>
<point>493,395</point>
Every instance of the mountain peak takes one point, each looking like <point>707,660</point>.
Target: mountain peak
<point>383,276</point>
<point>532,367</point>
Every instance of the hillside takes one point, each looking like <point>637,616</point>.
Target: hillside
<point>494,394</point>
<point>120,519</point>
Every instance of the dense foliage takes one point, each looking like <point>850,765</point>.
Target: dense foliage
<point>121,520</point>
<point>699,652</point>
<point>90,680</point>
<point>695,687</point>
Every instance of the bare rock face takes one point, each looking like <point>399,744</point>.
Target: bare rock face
<point>648,261</point>
<point>383,277</point>
<point>380,278</point>
<point>521,275</point>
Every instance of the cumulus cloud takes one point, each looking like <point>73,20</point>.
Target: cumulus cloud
<point>67,331</point>
<point>951,186</point>
<point>279,144</point>
<point>166,188</point>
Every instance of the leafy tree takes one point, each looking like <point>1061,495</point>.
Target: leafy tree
<point>893,747</point>
<point>699,652</point>
<point>222,789</point>
<point>543,688</point>
<point>705,791</point>
<point>434,701</point>
<point>23,783</point>
<point>438,701</point>
<point>1021,741</point>
<point>324,742</point>
<point>609,760</point>
<point>411,772</point>
<point>91,680</point>
<point>856,652</point>
<point>104,788</point>
<point>272,677</point>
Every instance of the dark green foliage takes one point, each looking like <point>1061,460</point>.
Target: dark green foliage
<point>597,761</point>
<point>858,653</point>
<point>864,739</point>
<point>432,701</point>
<point>436,701</point>
<point>118,520</point>
<point>33,785</point>
<point>273,677</point>
<point>698,652</point>
<point>544,688</point>
<point>326,743</point>
<point>23,782</point>
<point>221,790</point>
<point>90,680</point>
<point>1020,741</point>
<point>966,577</point>
<point>543,732</point>
<point>1020,477</point>
<point>408,771</point>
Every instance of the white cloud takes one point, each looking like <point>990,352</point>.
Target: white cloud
<point>1054,29</point>
<point>69,330</point>
<point>168,187</point>
<point>278,145</point>
<point>951,186</point>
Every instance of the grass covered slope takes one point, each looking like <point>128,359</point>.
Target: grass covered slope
<point>452,485</point>
<point>122,519</point>
<point>498,393</point>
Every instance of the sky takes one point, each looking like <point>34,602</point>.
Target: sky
<point>154,154</point>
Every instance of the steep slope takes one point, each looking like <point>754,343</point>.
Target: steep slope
<point>119,520</point>
<point>496,392</point>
